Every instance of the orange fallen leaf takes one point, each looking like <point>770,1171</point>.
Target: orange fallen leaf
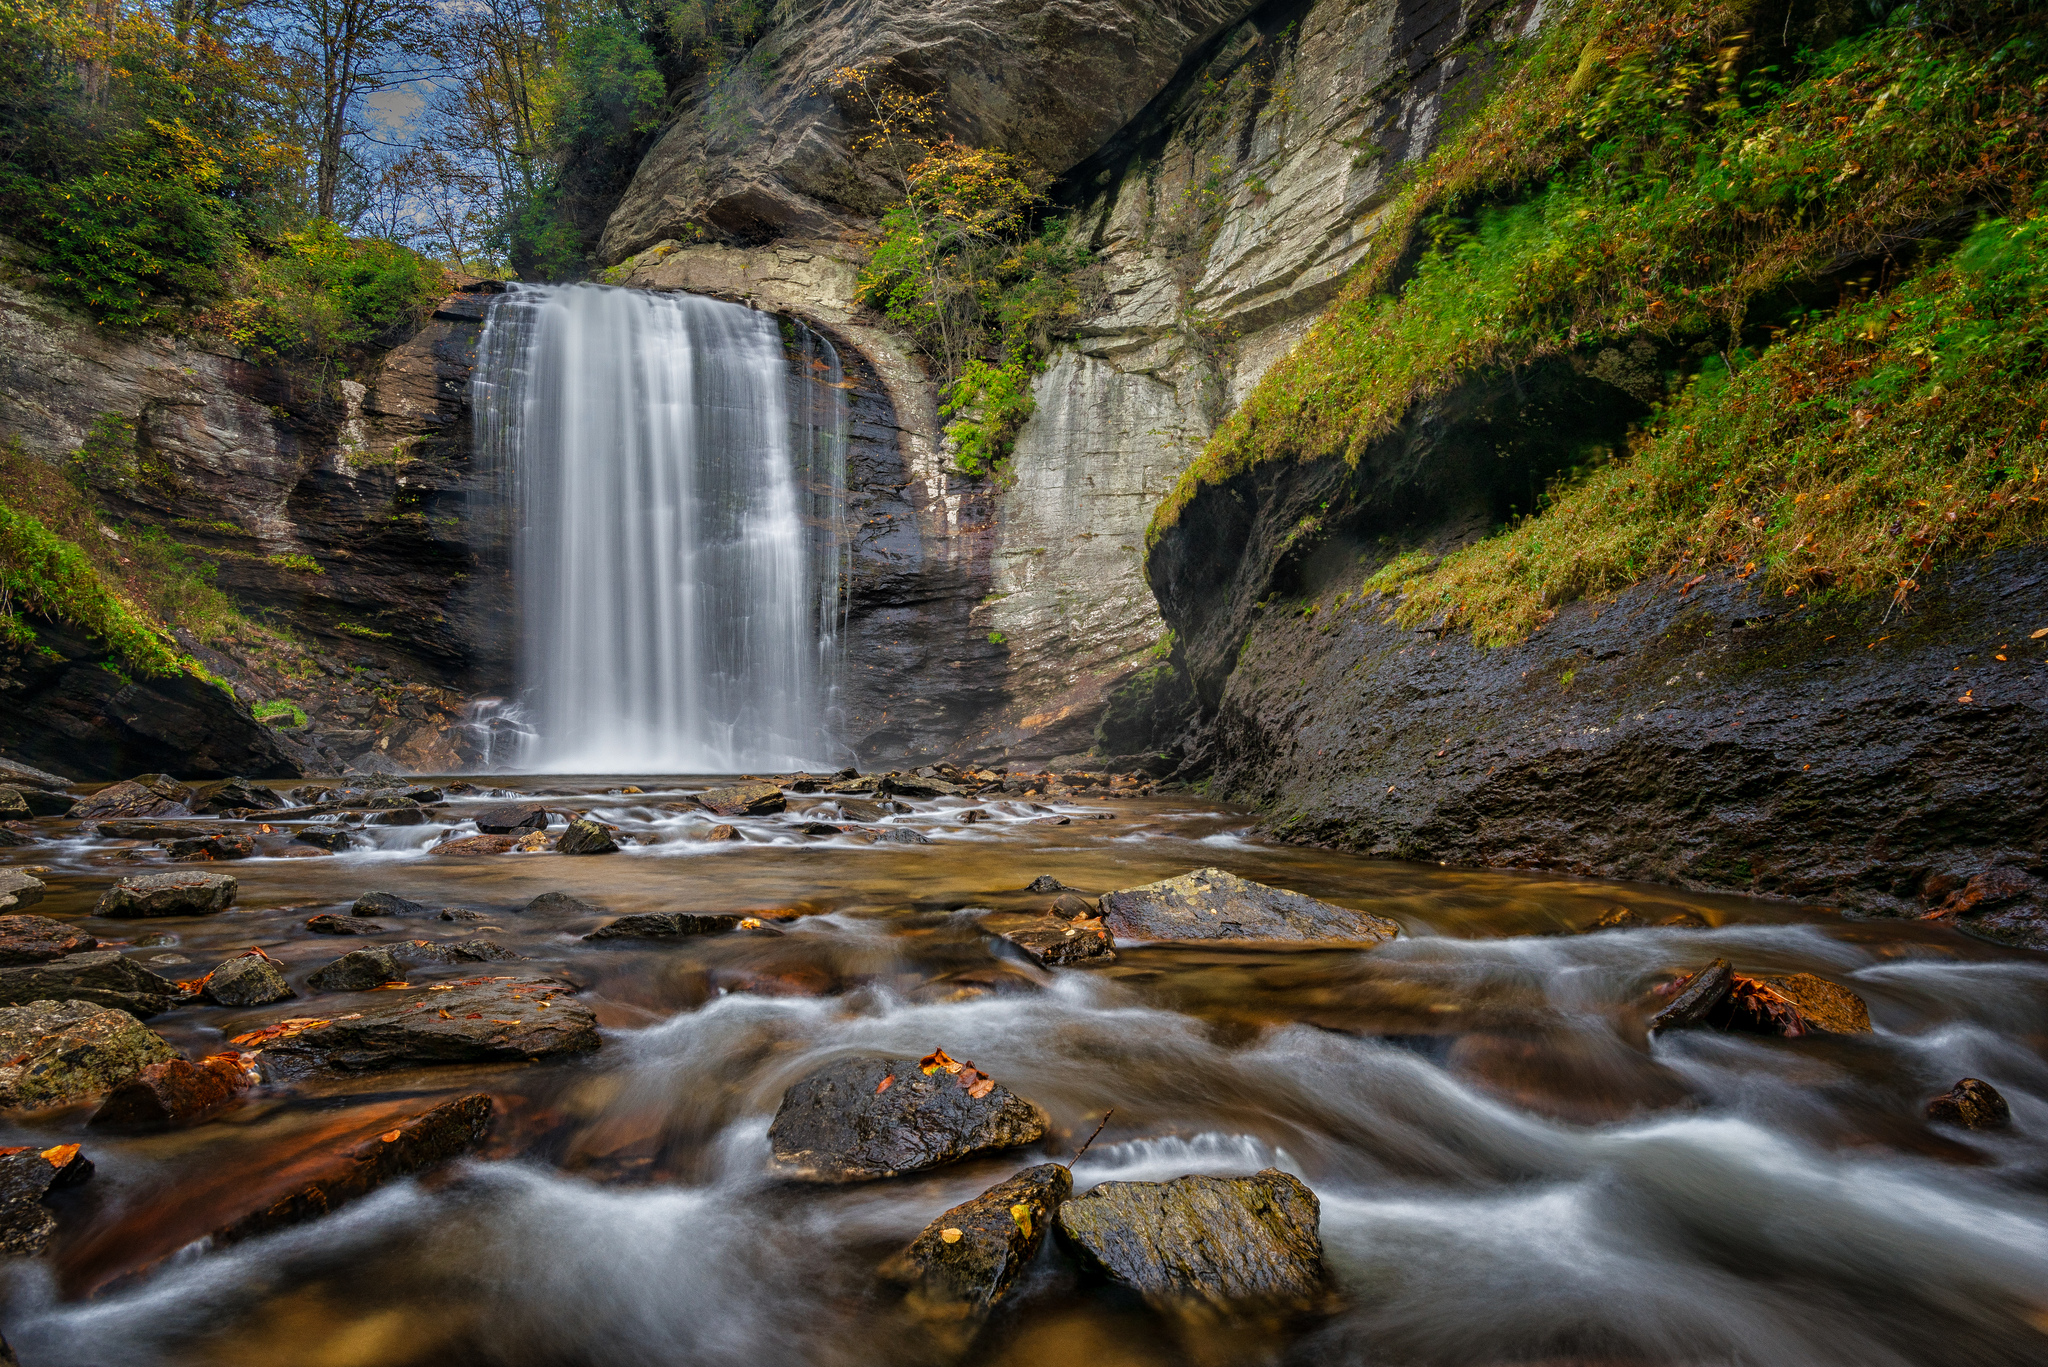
<point>446,1017</point>
<point>951,1236</point>
<point>390,1136</point>
<point>977,1083</point>
<point>937,1059</point>
<point>885,1084</point>
<point>60,1155</point>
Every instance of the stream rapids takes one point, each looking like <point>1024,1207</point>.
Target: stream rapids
<point>1510,1170</point>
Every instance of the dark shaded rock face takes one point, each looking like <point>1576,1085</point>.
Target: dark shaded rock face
<point>1210,904</point>
<point>100,976</point>
<point>1230,1242</point>
<point>866,1117</point>
<point>664,925</point>
<point>495,1020</point>
<point>26,1176</point>
<point>1973,1104</point>
<point>387,904</point>
<point>512,820</point>
<point>968,1259</point>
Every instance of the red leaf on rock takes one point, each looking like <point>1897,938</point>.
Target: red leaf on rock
<point>937,1059</point>
<point>885,1084</point>
<point>977,1083</point>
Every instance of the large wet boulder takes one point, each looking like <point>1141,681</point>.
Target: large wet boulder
<point>39,939</point>
<point>666,925</point>
<point>585,836</point>
<point>146,795</point>
<point>333,839</point>
<point>103,977</point>
<point>187,893</point>
<point>1210,904</point>
<point>251,979</point>
<point>56,1052</point>
<point>743,799</point>
<point>18,890</point>
<point>863,1118</point>
<point>1228,1242</point>
<point>359,970</point>
<point>19,775</point>
<point>175,1091</point>
<point>27,1175</point>
<point>13,805</point>
<point>492,1020</point>
<point>238,795</point>
<point>199,849</point>
<point>514,819</point>
<point>968,1259</point>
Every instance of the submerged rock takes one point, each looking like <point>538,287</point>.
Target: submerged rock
<point>516,819</point>
<point>1973,1104</point>
<point>586,836</point>
<point>483,1020</point>
<point>863,1118</point>
<point>188,893</point>
<point>433,1136</point>
<point>1227,1242</point>
<point>388,904</point>
<point>175,1091</point>
<point>744,799</point>
<point>39,939</point>
<point>103,977</point>
<point>1210,904</point>
<point>63,1051</point>
<point>1621,918</point>
<point>250,979</point>
<point>200,848</point>
<point>27,1175</point>
<point>665,925</point>
<point>563,904</point>
<point>358,971</point>
<point>18,890</point>
<point>968,1259</point>
<point>328,924</point>
<point>1054,942</point>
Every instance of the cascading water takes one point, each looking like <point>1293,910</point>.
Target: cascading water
<point>677,546</point>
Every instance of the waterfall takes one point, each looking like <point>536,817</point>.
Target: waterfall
<point>677,492</point>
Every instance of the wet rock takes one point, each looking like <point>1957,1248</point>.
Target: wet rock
<point>968,1259</point>
<point>34,802</point>
<point>175,1091</point>
<point>11,838</point>
<point>2004,905</point>
<point>101,976</point>
<point>1054,942</point>
<point>973,815</point>
<point>744,799</point>
<point>1973,1104</point>
<point>400,816</point>
<point>1617,918</point>
<point>903,835</point>
<point>327,924</point>
<point>862,1118</point>
<point>1070,907</point>
<point>864,812</point>
<point>145,795</point>
<point>13,806</point>
<point>481,1020</point>
<point>721,832</point>
<point>460,914</point>
<point>159,830</point>
<point>19,775</point>
<point>189,893</point>
<point>586,836</point>
<point>39,939</point>
<point>238,795</point>
<point>911,785</point>
<point>477,844</point>
<point>818,828</point>
<point>434,1136</point>
<point>332,839</point>
<point>358,971</point>
<point>1228,1242</point>
<point>665,925</point>
<point>792,980</point>
<point>62,1051</point>
<point>388,904</point>
<point>853,787</point>
<point>1686,920</point>
<point>202,848</point>
<point>1696,997</point>
<point>453,952</point>
<point>250,979</point>
<point>562,904</point>
<point>18,890</point>
<point>515,819</point>
<point>1210,904</point>
<point>1799,1004</point>
<point>28,1174</point>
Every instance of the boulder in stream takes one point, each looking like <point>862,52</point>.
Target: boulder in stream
<point>59,1052</point>
<point>513,819</point>
<point>388,904</point>
<point>1231,1243</point>
<point>1210,904</point>
<point>563,904</point>
<point>478,1020</point>
<point>1045,882</point>
<point>199,849</point>
<point>27,1175</point>
<point>1972,1104</point>
<point>332,839</point>
<point>666,925</point>
<point>185,893</point>
<point>103,977</point>
<point>1794,1004</point>
<point>864,1118</point>
<point>743,799</point>
<point>477,844</point>
<point>1053,942</point>
<point>359,970</point>
<point>903,835</point>
<point>586,836</point>
<point>144,795</point>
<point>32,939</point>
<point>329,924</point>
<point>721,832</point>
<point>238,795</point>
<point>968,1259</point>
<point>250,979</point>
<point>18,890</point>
<point>175,1091</point>
<point>433,1136</point>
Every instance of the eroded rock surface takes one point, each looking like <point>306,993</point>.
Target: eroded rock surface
<point>18,890</point>
<point>103,977</point>
<point>169,894</point>
<point>478,1020</point>
<point>1054,942</point>
<point>586,836</point>
<point>62,1051</point>
<point>744,799</point>
<point>967,1259</point>
<point>866,1117</point>
<point>1210,904</point>
<point>39,939</point>
<point>358,971</point>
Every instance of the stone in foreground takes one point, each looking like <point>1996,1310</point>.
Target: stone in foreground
<point>1210,904</point>
<point>358,971</point>
<point>1054,943</point>
<point>101,976</point>
<point>478,1020</point>
<point>968,1259</point>
<point>190,893</point>
<point>585,836</point>
<point>1227,1242</point>
<point>27,1174</point>
<point>39,939</point>
<point>1972,1104</point>
<point>744,799</point>
<point>18,890</point>
<point>864,1118</point>
<point>175,1091</point>
<point>665,925</point>
<point>434,1136</point>
<point>59,1052</point>
<point>250,979</point>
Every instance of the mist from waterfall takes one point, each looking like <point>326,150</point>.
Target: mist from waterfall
<point>676,475</point>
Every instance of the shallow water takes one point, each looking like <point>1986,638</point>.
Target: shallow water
<point>1509,1170</point>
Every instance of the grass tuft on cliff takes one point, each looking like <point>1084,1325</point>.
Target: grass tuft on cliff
<point>1847,395</point>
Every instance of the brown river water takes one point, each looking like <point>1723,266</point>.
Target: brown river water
<point>1510,1170</point>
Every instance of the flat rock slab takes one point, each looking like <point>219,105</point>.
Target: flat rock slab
<point>968,1259</point>
<point>148,795</point>
<point>59,1052</point>
<point>864,1118</point>
<point>434,1136</point>
<point>18,890</point>
<point>27,1174</point>
<point>665,925</point>
<point>1210,904</point>
<point>39,939</point>
<point>515,819</point>
<point>1054,943</point>
<point>175,1091</point>
<point>160,830</point>
<point>744,799</point>
<point>329,924</point>
<point>477,1020</point>
<point>1230,1242</point>
<point>477,844</point>
<point>100,976</point>
<point>191,893</point>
